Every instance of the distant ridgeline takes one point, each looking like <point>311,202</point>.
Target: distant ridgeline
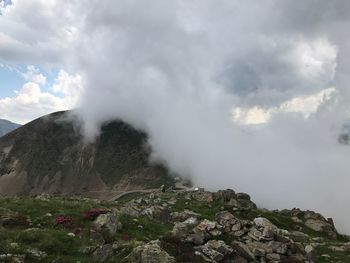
<point>7,126</point>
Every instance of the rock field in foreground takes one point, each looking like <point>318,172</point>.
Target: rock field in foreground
<point>170,226</point>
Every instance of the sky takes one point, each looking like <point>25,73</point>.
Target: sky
<point>250,95</point>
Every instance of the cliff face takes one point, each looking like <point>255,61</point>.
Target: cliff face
<point>49,155</point>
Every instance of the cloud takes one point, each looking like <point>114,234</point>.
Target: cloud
<point>303,105</point>
<point>31,101</point>
<point>176,69</point>
<point>33,75</point>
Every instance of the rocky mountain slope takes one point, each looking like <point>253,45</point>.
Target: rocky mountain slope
<point>164,226</point>
<point>49,155</point>
<point>7,126</point>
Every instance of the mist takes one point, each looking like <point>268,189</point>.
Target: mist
<point>177,69</point>
<point>249,95</point>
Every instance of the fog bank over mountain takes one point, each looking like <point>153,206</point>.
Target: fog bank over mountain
<point>178,69</point>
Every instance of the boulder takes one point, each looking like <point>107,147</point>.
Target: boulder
<point>180,230</point>
<point>274,257</point>
<point>310,254</point>
<point>262,229</point>
<point>243,196</point>
<point>150,253</point>
<point>225,196</point>
<point>242,250</point>
<point>215,250</point>
<point>102,253</point>
<point>278,247</point>
<point>108,222</point>
<point>321,226</point>
<point>206,225</point>
<point>184,215</point>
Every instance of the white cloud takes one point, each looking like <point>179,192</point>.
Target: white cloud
<point>31,101</point>
<point>303,105</point>
<point>68,85</point>
<point>33,75</point>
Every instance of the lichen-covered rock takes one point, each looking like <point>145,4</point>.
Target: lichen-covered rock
<point>108,222</point>
<point>263,229</point>
<point>150,253</point>
<point>184,215</point>
<point>180,230</point>
<point>214,251</point>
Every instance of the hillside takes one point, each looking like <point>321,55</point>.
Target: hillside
<point>49,155</point>
<point>166,227</point>
<point>7,126</point>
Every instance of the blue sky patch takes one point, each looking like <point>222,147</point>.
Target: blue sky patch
<point>11,79</point>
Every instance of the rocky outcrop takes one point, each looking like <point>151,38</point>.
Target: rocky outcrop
<point>313,220</point>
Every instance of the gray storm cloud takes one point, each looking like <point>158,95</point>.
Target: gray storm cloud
<point>177,69</point>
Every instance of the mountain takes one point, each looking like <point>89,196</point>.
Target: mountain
<point>7,126</point>
<point>49,155</point>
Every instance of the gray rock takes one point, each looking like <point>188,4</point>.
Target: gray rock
<point>191,221</point>
<point>220,246</point>
<point>215,250</point>
<point>243,196</point>
<point>180,230</point>
<point>225,196</point>
<point>227,221</point>
<point>310,254</point>
<point>197,237</point>
<point>109,222</point>
<point>206,225</point>
<point>259,246</point>
<point>103,253</point>
<point>347,247</point>
<point>263,229</point>
<point>278,247</point>
<point>184,215</point>
<point>274,257</point>
<point>242,250</point>
<point>150,253</point>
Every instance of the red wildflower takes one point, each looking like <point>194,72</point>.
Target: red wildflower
<point>63,220</point>
<point>94,213</point>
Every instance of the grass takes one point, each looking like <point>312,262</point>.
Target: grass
<point>335,256</point>
<point>206,210</point>
<point>142,229</point>
<point>43,234</point>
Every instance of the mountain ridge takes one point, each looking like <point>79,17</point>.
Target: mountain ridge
<point>49,155</point>
<point>7,126</point>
